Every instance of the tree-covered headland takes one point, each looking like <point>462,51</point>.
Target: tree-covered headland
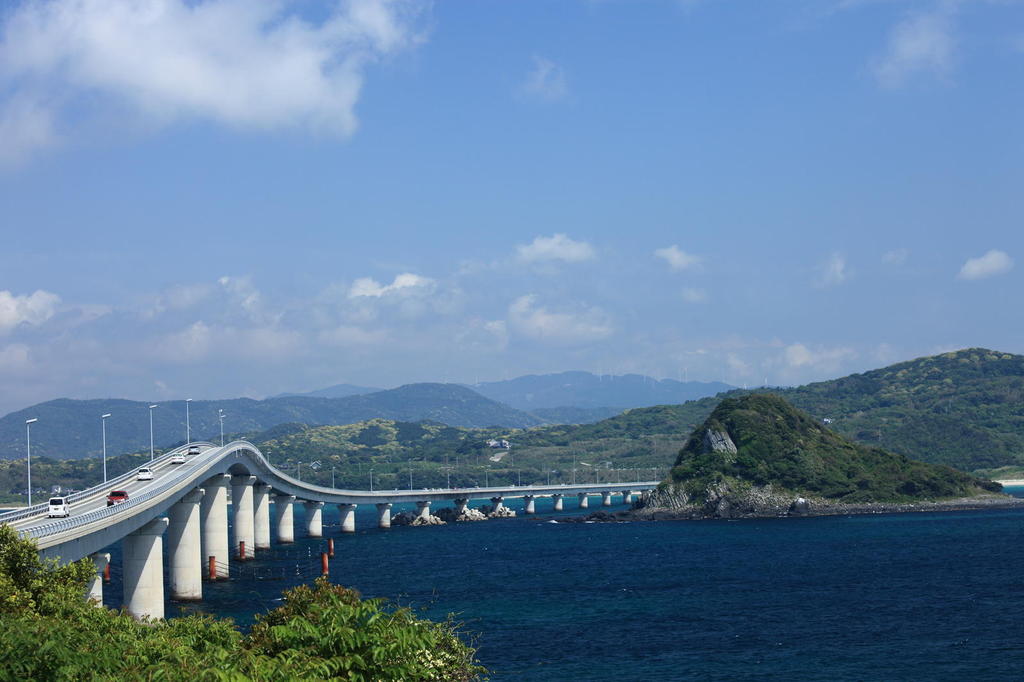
<point>760,440</point>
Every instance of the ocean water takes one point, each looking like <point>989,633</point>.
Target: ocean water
<point>880,597</point>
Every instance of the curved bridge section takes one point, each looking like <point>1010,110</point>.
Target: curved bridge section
<point>190,502</point>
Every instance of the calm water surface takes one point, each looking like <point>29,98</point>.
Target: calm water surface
<point>901,596</point>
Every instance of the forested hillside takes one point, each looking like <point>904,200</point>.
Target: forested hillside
<point>762,440</point>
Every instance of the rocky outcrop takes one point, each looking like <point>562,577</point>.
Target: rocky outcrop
<point>800,507</point>
<point>718,441</point>
<point>408,518</point>
<point>721,500</point>
<point>450,515</point>
<point>499,513</point>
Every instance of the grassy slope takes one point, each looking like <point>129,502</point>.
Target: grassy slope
<point>783,446</point>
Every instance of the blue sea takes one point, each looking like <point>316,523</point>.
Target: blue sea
<point>876,597</point>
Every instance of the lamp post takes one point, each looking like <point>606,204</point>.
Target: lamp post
<point>332,478</point>
<point>371,480</point>
<point>151,408</point>
<point>188,424</point>
<point>298,470</point>
<point>28,454</point>
<point>220,416</point>
<point>103,423</point>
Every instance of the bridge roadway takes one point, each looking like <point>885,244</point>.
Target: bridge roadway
<point>190,502</point>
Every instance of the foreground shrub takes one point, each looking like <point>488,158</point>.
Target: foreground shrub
<point>323,632</point>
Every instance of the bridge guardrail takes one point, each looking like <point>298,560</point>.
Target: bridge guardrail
<point>97,514</point>
<point>35,509</point>
<point>89,517</point>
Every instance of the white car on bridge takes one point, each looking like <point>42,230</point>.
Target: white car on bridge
<point>58,507</point>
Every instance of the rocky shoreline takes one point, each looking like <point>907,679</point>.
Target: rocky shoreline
<point>797,508</point>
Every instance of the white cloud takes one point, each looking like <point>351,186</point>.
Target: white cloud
<point>994,262</point>
<point>33,309</point>
<point>537,322</point>
<point>895,257</point>
<point>737,364</point>
<point>187,346</point>
<point>546,80</point>
<point>676,258</point>
<point>245,295</point>
<point>694,295</point>
<point>832,272</point>
<point>922,43</point>
<point>250,65</point>
<point>798,355</point>
<point>404,283</point>
<point>25,126</point>
<point>200,342</point>
<point>179,297</point>
<point>15,358</point>
<point>556,247</point>
<point>350,335</point>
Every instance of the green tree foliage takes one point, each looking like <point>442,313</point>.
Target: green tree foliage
<point>324,632</point>
<point>780,445</point>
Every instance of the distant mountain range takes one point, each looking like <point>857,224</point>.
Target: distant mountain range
<point>336,391</point>
<point>70,429</point>
<point>592,391</point>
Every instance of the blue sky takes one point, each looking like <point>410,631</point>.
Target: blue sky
<point>216,198</point>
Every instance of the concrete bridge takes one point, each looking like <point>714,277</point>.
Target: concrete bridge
<point>185,506</point>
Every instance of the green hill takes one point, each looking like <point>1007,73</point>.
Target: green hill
<point>964,409</point>
<point>70,429</point>
<point>760,440</point>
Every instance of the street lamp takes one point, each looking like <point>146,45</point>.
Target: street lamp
<point>371,480</point>
<point>188,424</point>
<point>28,454</point>
<point>220,415</point>
<point>298,470</point>
<point>151,408</point>
<point>103,423</point>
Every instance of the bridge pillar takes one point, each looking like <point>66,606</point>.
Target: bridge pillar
<point>584,500</point>
<point>213,517</point>
<point>460,506</point>
<point>314,519</point>
<point>285,518</point>
<point>606,499</point>
<point>383,515</point>
<point>95,591</point>
<point>497,503</point>
<point>423,510</point>
<point>348,517</point>
<point>528,506</point>
<point>185,547</point>
<point>627,497</point>
<point>244,516</point>
<point>557,498</point>
<point>261,516</point>
<point>143,572</point>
